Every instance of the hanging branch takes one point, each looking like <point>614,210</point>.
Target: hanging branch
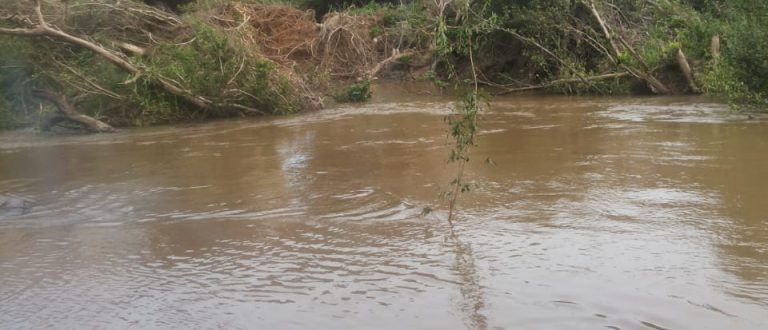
<point>463,129</point>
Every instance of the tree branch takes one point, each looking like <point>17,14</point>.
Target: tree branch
<point>645,75</point>
<point>606,31</point>
<point>68,110</point>
<point>561,82</point>
<point>22,32</point>
<point>396,55</point>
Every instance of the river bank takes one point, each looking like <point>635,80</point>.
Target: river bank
<point>217,59</point>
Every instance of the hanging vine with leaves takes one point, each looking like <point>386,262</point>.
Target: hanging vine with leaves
<point>463,121</point>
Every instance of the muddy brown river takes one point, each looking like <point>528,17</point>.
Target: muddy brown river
<point>618,213</point>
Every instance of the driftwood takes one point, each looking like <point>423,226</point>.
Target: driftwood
<point>682,61</point>
<point>344,44</point>
<point>561,82</point>
<point>69,113</point>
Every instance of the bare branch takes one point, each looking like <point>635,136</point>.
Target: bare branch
<point>396,56</point>
<point>99,88</point>
<point>606,31</point>
<point>68,110</point>
<point>561,82</point>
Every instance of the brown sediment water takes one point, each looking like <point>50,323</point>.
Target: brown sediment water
<point>621,213</point>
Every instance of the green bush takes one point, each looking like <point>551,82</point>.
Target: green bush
<point>741,76</point>
<point>221,70</point>
<point>746,51</point>
<point>357,92</point>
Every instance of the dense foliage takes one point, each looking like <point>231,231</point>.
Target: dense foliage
<point>520,43</point>
<point>742,74</point>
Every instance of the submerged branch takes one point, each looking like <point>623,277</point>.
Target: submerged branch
<point>64,106</point>
<point>561,82</point>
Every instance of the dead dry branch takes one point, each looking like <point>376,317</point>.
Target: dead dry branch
<point>66,108</point>
<point>345,46</point>
<point>340,45</point>
<point>283,34</point>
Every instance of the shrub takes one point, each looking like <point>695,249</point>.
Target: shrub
<point>742,74</point>
<point>357,92</point>
<point>213,66</point>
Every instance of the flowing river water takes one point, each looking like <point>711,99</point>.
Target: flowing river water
<point>618,213</point>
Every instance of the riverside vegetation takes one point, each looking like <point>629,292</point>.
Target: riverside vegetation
<point>108,63</point>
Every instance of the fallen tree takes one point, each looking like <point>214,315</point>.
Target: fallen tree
<point>685,68</point>
<point>210,74</point>
<point>42,29</point>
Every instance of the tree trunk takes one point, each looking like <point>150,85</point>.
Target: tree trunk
<point>682,61</point>
<point>605,29</point>
<point>714,49</point>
